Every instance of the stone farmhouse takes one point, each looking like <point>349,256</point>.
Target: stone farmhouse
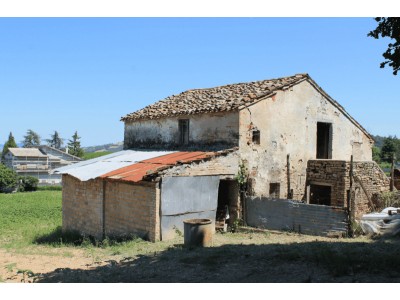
<point>39,162</point>
<point>288,137</point>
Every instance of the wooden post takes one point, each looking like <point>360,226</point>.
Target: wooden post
<point>350,200</point>
<point>289,192</point>
<point>392,175</point>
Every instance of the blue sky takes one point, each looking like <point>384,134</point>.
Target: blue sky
<point>83,74</point>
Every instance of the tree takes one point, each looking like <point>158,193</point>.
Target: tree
<point>389,27</point>
<point>74,146</point>
<point>376,154</point>
<point>31,139</point>
<point>9,144</point>
<point>55,141</point>
<point>389,149</point>
<point>8,179</point>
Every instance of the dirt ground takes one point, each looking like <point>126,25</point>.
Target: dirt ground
<point>245,257</point>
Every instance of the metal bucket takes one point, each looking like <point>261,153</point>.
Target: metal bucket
<point>198,232</point>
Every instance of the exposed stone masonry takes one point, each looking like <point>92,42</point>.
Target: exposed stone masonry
<point>337,175</point>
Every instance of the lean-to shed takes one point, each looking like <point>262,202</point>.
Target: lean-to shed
<point>147,193</point>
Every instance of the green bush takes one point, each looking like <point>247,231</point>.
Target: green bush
<point>8,179</point>
<point>50,188</point>
<point>28,184</point>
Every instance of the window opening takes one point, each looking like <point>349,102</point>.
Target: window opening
<point>274,190</point>
<point>320,194</point>
<point>324,140</point>
<point>184,132</point>
<point>256,137</point>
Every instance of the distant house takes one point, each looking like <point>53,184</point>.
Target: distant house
<point>39,162</point>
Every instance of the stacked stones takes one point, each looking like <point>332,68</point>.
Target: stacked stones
<point>369,180</point>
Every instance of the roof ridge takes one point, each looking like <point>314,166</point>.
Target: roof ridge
<point>227,97</point>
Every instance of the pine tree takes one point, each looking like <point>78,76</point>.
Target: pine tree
<point>74,146</point>
<point>31,139</point>
<point>56,141</point>
<point>9,144</point>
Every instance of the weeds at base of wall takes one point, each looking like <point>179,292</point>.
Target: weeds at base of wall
<point>177,231</point>
<point>74,238</point>
<point>236,225</point>
<point>356,229</point>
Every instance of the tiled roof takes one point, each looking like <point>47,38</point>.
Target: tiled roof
<point>26,152</point>
<point>223,98</point>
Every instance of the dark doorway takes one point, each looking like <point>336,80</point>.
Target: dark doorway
<point>324,140</point>
<point>320,194</point>
<point>228,203</point>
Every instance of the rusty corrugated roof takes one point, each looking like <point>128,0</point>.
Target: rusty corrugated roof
<point>137,171</point>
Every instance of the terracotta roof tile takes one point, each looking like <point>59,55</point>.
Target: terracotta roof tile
<point>223,98</point>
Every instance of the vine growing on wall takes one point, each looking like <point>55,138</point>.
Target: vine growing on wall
<point>242,176</point>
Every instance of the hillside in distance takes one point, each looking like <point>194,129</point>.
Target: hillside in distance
<point>113,147</point>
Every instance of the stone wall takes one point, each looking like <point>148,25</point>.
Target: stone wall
<point>82,206</point>
<point>207,131</point>
<point>282,214</point>
<point>224,165</point>
<point>287,123</point>
<point>369,181</point>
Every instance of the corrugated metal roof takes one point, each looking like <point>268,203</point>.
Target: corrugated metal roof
<point>136,172</point>
<point>94,168</point>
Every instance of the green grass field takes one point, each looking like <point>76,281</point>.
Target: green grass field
<point>26,216</point>
<point>92,155</point>
<point>30,222</point>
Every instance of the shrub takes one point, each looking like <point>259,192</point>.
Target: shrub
<point>386,199</point>
<point>50,188</point>
<point>28,183</point>
<point>8,179</point>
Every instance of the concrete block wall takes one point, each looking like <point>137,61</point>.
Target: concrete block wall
<point>82,206</point>
<point>132,209</point>
<point>280,214</point>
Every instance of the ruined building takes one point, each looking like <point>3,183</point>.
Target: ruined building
<point>290,139</point>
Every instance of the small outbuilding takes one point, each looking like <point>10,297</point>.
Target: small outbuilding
<point>148,194</point>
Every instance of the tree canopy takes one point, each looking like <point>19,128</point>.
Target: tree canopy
<point>8,178</point>
<point>74,146</point>
<point>9,144</point>
<point>389,27</point>
<point>55,141</point>
<point>390,149</point>
<point>31,139</point>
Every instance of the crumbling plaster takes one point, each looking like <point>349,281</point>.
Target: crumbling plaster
<point>215,130</point>
<point>287,122</point>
